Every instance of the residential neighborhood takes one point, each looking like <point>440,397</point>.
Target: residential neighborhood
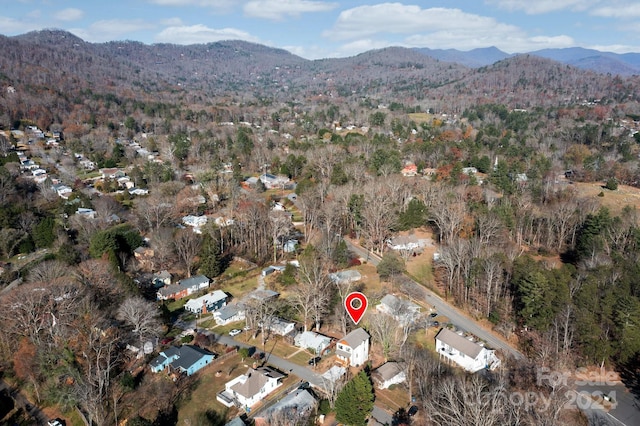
<point>227,233</point>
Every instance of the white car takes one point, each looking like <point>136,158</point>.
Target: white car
<point>235,332</point>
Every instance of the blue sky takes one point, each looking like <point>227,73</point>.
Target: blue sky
<point>320,29</point>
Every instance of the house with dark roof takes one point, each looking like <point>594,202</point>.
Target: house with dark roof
<point>388,374</point>
<point>208,303</point>
<point>183,288</point>
<point>185,359</point>
<point>353,349</point>
<point>161,279</point>
<point>380,417</point>
<point>248,389</point>
<point>465,351</point>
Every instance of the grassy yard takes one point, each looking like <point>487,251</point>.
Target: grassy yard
<point>210,381</point>
<point>397,396</point>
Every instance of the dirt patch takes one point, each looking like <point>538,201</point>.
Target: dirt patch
<point>615,201</point>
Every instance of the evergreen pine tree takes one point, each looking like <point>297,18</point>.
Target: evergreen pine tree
<point>355,401</point>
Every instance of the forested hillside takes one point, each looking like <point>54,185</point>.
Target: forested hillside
<point>107,148</point>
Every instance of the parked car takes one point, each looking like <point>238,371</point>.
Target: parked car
<point>54,422</point>
<point>235,332</point>
<point>412,410</point>
<point>315,360</point>
<point>167,340</point>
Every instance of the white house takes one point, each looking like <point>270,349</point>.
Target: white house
<point>465,352</point>
<point>334,374</point>
<point>228,314</point>
<point>280,326</point>
<point>408,243</point>
<point>208,303</point>
<point>196,222</point>
<point>87,213</point>
<point>62,190</point>
<point>312,340</point>
<point>353,349</point>
<point>388,374</point>
<point>249,389</point>
<point>297,404</point>
<point>271,181</point>
<point>346,276</point>
<point>402,310</point>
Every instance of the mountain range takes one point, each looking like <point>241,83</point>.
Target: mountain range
<point>625,64</point>
<point>50,72</point>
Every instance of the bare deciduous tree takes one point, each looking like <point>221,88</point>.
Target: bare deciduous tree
<point>141,316</point>
<point>187,246</point>
<point>313,293</point>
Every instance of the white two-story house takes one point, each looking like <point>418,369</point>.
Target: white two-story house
<point>247,390</point>
<point>353,349</point>
<point>465,352</point>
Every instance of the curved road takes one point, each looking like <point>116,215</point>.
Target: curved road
<point>455,316</point>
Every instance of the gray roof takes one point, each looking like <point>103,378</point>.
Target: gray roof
<point>459,342</point>
<point>345,276</point>
<point>398,304</point>
<point>228,311</point>
<point>164,355</point>
<point>380,417</point>
<point>299,400</point>
<point>388,371</point>
<point>163,274</point>
<point>190,282</point>
<point>189,355</point>
<point>356,337</point>
<point>262,294</point>
<point>236,422</point>
<point>256,379</point>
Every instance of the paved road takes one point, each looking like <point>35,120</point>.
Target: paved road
<point>22,401</point>
<point>625,407</point>
<point>456,317</point>
<point>286,366</point>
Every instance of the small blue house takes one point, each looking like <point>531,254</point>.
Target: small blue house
<point>184,359</point>
<point>165,358</point>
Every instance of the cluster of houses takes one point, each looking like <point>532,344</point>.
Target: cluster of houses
<point>351,351</point>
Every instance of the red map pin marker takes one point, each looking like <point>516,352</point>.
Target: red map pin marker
<point>356,305</point>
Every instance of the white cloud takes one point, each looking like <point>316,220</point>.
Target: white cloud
<point>278,9</point>
<point>14,26</point>
<point>616,48</point>
<point>432,27</point>
<point>535,7</point>
<point>620,11</point>
<point>112,29</point>
<point>203,3</point>
<point>218,5</point>
<point>396,18</point>
<point>70,14</point>
<point>197,34</point>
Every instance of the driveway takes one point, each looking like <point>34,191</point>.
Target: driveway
<point>625,407</point>
<point>22,401</point>
<point>305,374</point>
<point>456,317</point>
